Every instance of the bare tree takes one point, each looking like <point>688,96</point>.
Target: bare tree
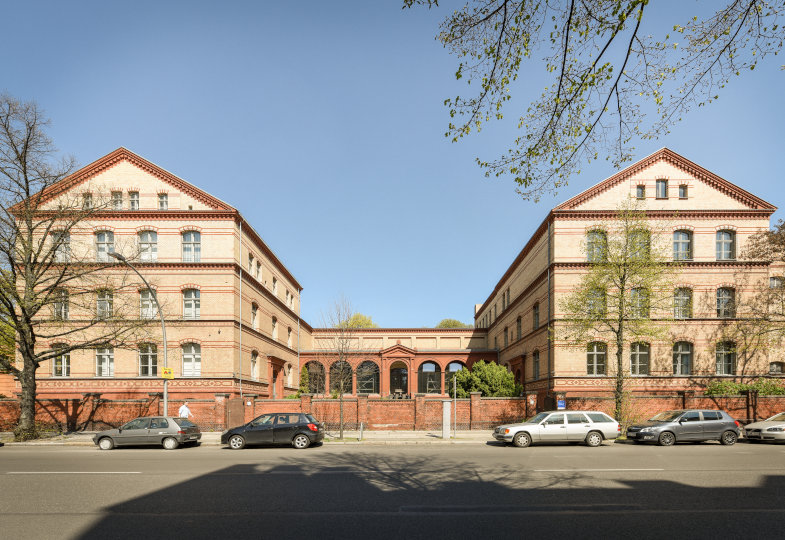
<point>604,73</point>
<point>56,295</point>
<point>624,296</point>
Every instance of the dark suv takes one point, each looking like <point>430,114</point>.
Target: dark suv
<point>298,429</point>
<point>670,427</point>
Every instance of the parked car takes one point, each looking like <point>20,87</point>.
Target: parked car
<point>771,429</point>
<point>298,429</point>
<point>591,427</point>
<point>695,425</point>
<point>168,431</point>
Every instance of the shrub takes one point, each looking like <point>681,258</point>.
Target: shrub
<point>764,387</point>
<point>489,378</point>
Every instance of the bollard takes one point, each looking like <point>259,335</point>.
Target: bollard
<point>361,431</point>
<point>446,418</point>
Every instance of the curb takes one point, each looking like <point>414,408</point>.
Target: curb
<point>382,442</point>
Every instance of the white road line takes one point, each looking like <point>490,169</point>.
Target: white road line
<point>73,472</point>
<point>593,470</point>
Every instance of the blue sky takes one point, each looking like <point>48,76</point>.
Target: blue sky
<point>322,122</point>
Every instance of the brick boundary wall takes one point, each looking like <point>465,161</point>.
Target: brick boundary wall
<point>375,413</point>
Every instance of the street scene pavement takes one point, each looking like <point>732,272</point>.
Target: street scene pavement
<point>394,491</point>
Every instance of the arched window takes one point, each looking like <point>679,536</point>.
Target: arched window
<point>682,358</point>
<point>449,372</point>
<point>682,246</point>
<point>104,245</point>
<point>192,360</point>
<point>518,328</point>
<point>148,360</point>
<point>639,358</point>
<point>726,303</point>
<point>61,364</point>
<point>255,365</point>
<point>536,365</point>
<point>429,378</point>
<point>368,378</point>
<point>148,246</point>
<point>596,246</point>
<point>639,241</point>
<point>192,246</point>
<point>726,245</point>
<point>341,377</point>
<point>506,337</point>
<point>192,303</point>
<point>60,304</point>
<point>596,353</point>
<point>682,303</point>
<point>316,378</point>
<point>726,358</point>
<point>536,316</point>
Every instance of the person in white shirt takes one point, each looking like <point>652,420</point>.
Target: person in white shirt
<point>184,411</point>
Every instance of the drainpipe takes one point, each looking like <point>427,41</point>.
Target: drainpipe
<point>241,308</point>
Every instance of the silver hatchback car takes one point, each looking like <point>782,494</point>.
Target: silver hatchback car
<point>168,431</point>
<point>591,427</point>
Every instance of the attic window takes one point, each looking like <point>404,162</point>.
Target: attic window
<point>163,201</point>
<point>662,189</point>
<point>683,191</point>
<point>190,207</point>
<point>640,192</point>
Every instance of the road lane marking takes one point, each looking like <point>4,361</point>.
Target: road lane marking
<point>594,470</point>
<point>73,472</point>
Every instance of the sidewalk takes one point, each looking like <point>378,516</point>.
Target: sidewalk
<point>213,438</point>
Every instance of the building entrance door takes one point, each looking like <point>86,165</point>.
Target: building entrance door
<point>399,379</point>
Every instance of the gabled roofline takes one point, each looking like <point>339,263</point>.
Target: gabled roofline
<point>668,155</point>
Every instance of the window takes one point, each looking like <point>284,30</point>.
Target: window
<point>61,243</point>
<point>518,328</point>
<point>147,304</point>
<point>275,286</point>
<point>87,201</point>
<point>287,297</point>
<point>682,246</point>
<point>639,359</point>
<point>506,340</point>
<point>508,296</point>
<point>341,377</point>
<point>429,378</point>
<point>536,315</point>
<point>60,305</point>
<point>61,364</point>
<point>163,201</point>
<point>596,246</point>
<point>595,358</point>
<point>596,303</point>
<point>726,245</point>
<point>191,303</point>
<point>103,304</point>
<point>639,242</point>
<point>682,358</point>
<point>682,303</point>
<point>133,200</point>
<point>275,328</point>
<point>726,358</point>
<point>640,192</point>
<point>536,365</point>
<point>683,191</point>
<point>117,200</point>
<point>639,303</point>
<point>148,360</point>
<point>726,303</point>
<point>192,360</point>
<point>367,378</point>
<point>104,245</point>
<point>250,263</point>
<point>776,368</point>
<point>192,246</point>
<point>576,418</point>
<point>255,365</point>
<point>289,338</point>
<point>662,189</point>
<point>148,246</point>
<point>104,362</point>
<point>254,316</point>
<point>775,282</point>
<point>258,271</point>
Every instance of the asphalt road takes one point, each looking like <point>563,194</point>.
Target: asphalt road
<point>697,491</point>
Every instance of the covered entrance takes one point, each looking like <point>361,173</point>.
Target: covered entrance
<point>399,379</point>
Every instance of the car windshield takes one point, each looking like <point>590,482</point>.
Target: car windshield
<point>666,416</point>
<point>538,418</point>
<point>777,418</point>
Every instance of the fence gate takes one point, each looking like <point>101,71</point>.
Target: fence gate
<point>235,412</point>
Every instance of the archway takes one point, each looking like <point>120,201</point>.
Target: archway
<point>368,378</point>
<point>449,371</point>
<point>316,378</point>
<point>399,379</point>
<point>429,378</point>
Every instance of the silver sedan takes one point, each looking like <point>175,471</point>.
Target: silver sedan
<point>772,429</point>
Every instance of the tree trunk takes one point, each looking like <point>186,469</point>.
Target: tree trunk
<point>618,392</point>
<point>340,420</point>
<point>26,429</point>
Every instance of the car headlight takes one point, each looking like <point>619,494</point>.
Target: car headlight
<point>776,429</point>
<point>506,431</point>
<point>647,430</point>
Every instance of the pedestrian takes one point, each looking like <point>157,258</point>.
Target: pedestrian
<point>184,411</point>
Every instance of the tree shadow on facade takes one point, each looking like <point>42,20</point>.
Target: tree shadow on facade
<point>378,496</point>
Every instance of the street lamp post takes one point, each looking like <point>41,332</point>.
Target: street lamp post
<point>161,315</point>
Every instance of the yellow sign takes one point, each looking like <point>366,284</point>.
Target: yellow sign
<point>167,373</point>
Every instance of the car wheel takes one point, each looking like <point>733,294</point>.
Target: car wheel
<point>593,439</point>
<point>666,438</point>
<point>301,441</point>
<point>170,443</point>
<point>236,442</point>
<point>522,439</point>
<point>106,443</point>
<point>728,438</point>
